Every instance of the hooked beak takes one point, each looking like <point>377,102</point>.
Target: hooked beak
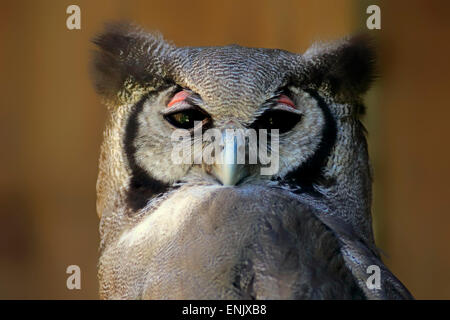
<point>227,168</point>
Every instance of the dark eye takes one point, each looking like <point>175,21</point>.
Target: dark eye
<point>186,119</point>
<point>282,120</point>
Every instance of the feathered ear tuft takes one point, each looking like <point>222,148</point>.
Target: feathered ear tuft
<point>347,66</point>
<point>128,59</point>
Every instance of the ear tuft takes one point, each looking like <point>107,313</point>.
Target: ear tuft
<point>346,66</point>
<point>127,54</point>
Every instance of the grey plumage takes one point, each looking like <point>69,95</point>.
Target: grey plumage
<point>174,231</point>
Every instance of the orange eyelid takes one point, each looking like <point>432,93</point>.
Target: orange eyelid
<point>180,96</point>
<point>284,99</point>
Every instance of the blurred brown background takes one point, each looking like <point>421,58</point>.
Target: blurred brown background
<point>51,125</point>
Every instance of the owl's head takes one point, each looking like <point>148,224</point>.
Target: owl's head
<point>204,142</point>
<point>309,104</point>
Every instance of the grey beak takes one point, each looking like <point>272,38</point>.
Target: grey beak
<point>229,167</point>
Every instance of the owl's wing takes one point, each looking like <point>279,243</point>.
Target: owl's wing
<point>358,256</point>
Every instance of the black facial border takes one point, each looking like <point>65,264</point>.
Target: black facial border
<point>303,178</point>
<point>142,185</point>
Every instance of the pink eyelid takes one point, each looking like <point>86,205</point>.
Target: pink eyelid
<point>284,99</point>
<point>180,96</point>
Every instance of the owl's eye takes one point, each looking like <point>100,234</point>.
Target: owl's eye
<point>186,119</point>
<point>282,120</point>
<point>283,116</point>
<point>182,112</point>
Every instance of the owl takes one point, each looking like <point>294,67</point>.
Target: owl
<point>203,225</point>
